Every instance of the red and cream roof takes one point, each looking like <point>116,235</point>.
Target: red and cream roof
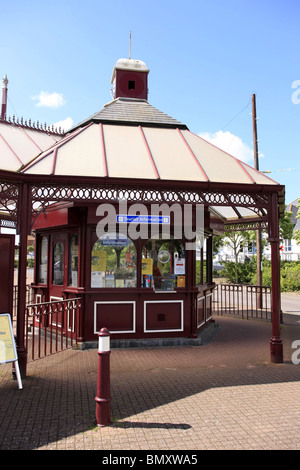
<point>129,138</point>
<point>19,143</point>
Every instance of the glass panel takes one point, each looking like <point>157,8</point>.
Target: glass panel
<point>163,264</point>
<point>58,264</point>
<point>73,261</point>
<point>201,258</point>
<point>43,261</point>
<point>113,262</point>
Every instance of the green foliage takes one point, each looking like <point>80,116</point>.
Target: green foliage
<point>239,273</point>
<point>286,227</point>
<point>198,271</point>
<point>245,273</point>
<point>266,274</point>
<point>289,276</point>
<point>297,236</point>
<point>297,232</point>
<point>218,242</point>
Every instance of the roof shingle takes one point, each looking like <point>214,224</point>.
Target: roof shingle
<point>134,112</point>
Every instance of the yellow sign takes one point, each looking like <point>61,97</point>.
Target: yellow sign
<point>181,281</point>
<point>99,260</point>
<point>8,351</point>
<point>147,266</point>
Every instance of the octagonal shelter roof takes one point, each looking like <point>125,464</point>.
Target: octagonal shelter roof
<point>129,138</point>
<point>21,141</point>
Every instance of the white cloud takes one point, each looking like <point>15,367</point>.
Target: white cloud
<point>65,124</point>
<point>49,100</point>
<point>230,143</point>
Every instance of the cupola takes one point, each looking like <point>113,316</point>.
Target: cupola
<point>130,79</point>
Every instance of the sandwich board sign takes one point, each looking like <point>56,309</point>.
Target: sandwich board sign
<point>8,351</point>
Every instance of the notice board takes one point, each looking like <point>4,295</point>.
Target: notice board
<point>8,351</point>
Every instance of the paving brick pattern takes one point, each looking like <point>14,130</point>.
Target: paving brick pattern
<point>224,394</point>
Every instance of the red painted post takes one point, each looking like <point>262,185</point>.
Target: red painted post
<point>24,213</point>
<point>103,397</point>
<point>276,344</point>
<point>4,98</point>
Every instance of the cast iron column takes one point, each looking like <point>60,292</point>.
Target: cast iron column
<point>276,344</point>
<point>24,214</point>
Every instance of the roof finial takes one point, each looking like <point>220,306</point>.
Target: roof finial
<point>4,97</point>
<point>129,44</point>
<point>5,81</point>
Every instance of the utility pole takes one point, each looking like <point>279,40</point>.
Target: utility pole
<point>258,232</point>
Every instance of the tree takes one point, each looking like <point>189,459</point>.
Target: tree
<point>286,226</point>
<point>218,242</point>
<point>297,232</point>
<point>236,241</point>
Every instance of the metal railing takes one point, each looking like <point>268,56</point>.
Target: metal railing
<point>244,301</point>
<point>29,297</point>
<point>51,327</point>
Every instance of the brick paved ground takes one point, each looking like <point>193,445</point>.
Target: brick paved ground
<point>224,394</point>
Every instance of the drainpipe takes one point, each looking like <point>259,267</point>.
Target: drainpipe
<point>4,98</point>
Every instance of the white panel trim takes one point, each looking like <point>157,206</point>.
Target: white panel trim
<point>198,300</point>
<point>160,302</point>
<point>53,298</point>
<point>208,318</point>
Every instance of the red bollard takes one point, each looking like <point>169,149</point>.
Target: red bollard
<point>103,397</point>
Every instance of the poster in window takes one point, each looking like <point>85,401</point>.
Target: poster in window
<point>99,260</point>
<point>181,281</point>
<point>110,280</point>
<point>147,266</point>
<point>179,266</point>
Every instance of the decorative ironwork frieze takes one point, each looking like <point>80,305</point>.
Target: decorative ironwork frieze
<point>45,191</point>
<point>244,226</point>
<point>9,196</point>
<point>81,192</point>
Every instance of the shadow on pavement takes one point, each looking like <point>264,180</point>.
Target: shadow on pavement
<point>58,396</point>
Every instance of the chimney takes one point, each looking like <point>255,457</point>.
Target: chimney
<point>4,98</point>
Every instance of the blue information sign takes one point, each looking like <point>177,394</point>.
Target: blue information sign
<point>143,219</point>
<point>114,242</point>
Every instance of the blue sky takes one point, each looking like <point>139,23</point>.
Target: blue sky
<point>206,59</point>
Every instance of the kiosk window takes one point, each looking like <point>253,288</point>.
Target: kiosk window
<point>201,262</point>
<point>163,264</point>
<point>73,260</point>
<point>58,264</point>
<point>113,262</point>
<point>43,260</point>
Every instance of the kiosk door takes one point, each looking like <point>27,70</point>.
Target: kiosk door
<point>58,274</point>
<point>7,248</point>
